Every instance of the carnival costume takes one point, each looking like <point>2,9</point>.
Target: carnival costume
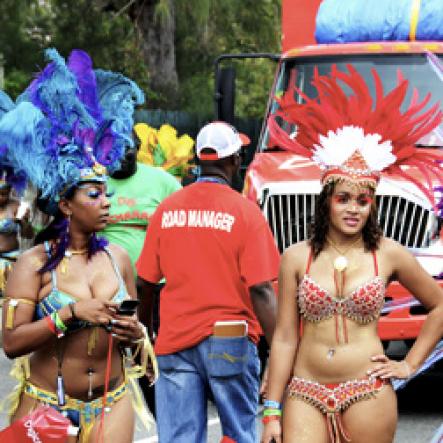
<point>353,140</point>
<point>71,126</point>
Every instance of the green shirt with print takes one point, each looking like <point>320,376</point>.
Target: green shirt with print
<point>133,202</point>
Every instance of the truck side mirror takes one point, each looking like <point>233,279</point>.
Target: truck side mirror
<point>225,94</point>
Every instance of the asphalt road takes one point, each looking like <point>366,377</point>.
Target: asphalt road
<point>420,407</point>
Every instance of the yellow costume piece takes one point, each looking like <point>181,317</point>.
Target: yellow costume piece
<point>12,305</point>
<point>162,148</point>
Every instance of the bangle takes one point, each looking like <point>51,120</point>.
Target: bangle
<point>51,324</point>
<point>267,419</point>
<point>271,404</point>
<point>271,412</point>
<point>71,308</point>
<point>59,325</point>
<point>59,322</point>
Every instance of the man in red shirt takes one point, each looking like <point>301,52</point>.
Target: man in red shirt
<point>218,256</point>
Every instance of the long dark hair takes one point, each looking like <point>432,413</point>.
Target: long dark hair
<point>57,234</point>
<point>371,232</point>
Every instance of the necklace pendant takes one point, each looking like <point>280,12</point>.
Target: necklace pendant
<point>340,263</point>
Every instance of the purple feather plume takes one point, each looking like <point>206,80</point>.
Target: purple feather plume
<point>80,64</point>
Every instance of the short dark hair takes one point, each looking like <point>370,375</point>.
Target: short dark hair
<point>372,232</point>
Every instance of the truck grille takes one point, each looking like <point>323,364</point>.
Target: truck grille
<point>290,215</point>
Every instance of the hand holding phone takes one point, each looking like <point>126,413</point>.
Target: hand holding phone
<point>128,307</point>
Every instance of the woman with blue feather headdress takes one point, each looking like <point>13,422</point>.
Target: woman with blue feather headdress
<point>14,222</point>
<point>68,130</point>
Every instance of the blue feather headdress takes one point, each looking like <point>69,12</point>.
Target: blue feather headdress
<point>72,124</point>
<point>8,178</point>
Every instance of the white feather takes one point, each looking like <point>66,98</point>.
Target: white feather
<point>336,147</point>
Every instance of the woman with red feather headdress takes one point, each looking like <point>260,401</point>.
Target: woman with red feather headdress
<point>332,286</point>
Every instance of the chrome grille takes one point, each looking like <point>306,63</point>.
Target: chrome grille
<point>290,215</point>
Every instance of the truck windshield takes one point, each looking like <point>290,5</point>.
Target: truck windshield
<point>413,67</point>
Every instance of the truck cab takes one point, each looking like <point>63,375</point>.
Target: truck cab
<point>286,186</point>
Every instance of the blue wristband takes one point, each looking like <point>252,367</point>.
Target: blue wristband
<point>271,404</point>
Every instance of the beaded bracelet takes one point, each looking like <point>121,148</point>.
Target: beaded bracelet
<point>271,404</point>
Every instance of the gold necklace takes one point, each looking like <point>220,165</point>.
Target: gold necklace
<point>68,255</point>
<point>341,262</point>
<point>71,252</point>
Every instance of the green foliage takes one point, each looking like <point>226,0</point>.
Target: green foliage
<point>105,29</point>
<point>33,25</point>
<point>109,38</point>
<point>207,29</point>
<point>21,35</point>
<point>15,82</point>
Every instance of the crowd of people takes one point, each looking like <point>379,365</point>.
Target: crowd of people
<point>118,231</point>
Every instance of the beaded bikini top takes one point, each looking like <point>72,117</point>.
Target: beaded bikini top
<point>363,304</point>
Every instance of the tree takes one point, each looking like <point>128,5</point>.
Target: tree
<point>167,46</point>
<point>180,39</point>
<point>209,28</point>
<point>21,41</point>
<point>154,21</point>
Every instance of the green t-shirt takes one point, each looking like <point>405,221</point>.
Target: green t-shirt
<point>134,201</point>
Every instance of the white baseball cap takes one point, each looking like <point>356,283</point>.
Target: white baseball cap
<point>219,140</point>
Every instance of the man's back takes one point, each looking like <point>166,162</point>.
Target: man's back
<point>210,245</point>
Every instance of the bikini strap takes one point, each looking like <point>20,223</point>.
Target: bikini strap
<point>308,265</point>
<point>374,255</point>
<point>53,273</point>
<point>115,266</point>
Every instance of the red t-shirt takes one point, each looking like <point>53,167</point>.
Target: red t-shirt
<point>211,245</point>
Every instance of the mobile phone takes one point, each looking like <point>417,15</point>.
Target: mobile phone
<point>128,307</point>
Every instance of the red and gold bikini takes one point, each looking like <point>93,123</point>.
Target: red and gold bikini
<point>363,305</point>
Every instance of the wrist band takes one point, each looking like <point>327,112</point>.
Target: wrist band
<point>271,412</point>
<point>271,404</point>
<point>71,308</point>
<point>59,325</point>
<point>51,324</point>
<point>59,322</point>
<point>269,418</point>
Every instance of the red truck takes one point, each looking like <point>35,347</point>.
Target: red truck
<point>286,186</point>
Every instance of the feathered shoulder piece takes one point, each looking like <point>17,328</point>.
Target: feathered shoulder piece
<point>352,136</point>
<point>69,126</point>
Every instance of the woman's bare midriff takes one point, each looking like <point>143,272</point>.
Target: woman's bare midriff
<point>321,358</point>
<point>77,365</point>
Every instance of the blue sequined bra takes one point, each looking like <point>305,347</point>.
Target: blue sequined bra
<point>9,226</point>
<point>57,299</point>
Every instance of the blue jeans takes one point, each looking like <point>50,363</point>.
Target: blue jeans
<point>228,368</point>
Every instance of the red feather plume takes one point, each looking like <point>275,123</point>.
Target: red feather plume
<point>333,108</point>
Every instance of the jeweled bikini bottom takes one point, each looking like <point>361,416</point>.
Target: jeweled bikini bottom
<point>332,399</point>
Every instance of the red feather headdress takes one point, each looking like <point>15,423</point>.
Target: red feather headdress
<point>355,137</point>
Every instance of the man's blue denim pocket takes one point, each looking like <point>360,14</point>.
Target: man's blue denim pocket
<point>227,356</point>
